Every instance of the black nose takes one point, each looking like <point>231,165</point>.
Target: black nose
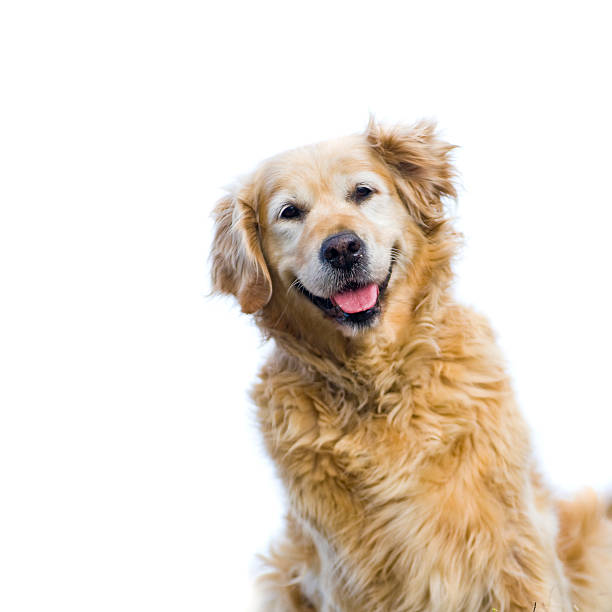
<point>342,250</point>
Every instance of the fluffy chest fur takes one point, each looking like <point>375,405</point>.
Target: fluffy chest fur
<point>386,407</point>
<point>415,489</point>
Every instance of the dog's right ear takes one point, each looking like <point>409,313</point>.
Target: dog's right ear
<point>238,264</point>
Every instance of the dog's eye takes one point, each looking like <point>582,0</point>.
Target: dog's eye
<point>290,212</point>
<point>362,192</point>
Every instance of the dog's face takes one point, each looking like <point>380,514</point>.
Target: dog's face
<point>328,232</point>
<point>331,224</point>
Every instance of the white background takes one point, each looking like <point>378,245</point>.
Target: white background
<point>131,473</point>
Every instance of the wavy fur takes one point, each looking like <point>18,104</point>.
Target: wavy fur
<point>406,462</point>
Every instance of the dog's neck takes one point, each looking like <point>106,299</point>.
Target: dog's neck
<point>405,342</point>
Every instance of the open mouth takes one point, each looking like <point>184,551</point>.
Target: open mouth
<point>356,304</point>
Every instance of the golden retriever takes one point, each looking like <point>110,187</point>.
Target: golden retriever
<point>386,406</point>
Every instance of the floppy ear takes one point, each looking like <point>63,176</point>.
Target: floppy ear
<point>420,163</point>
<point>238,264</point>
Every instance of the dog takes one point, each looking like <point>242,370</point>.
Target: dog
<point>385,405</point>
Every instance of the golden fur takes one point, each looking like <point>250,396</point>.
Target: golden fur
<point>406,462</point>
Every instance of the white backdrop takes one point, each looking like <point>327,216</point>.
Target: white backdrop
<point>131,474</point>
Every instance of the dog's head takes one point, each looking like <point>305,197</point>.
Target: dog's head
<point>338,233</point>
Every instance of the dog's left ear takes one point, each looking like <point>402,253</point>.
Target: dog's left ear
<point>238,264</point>
<point>420,163</point>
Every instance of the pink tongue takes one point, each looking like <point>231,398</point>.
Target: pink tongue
<point>357,300</point>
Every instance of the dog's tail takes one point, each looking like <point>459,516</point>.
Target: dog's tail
<point>585,547</point>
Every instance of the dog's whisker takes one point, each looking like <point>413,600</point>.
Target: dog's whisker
<point>293,285</point>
